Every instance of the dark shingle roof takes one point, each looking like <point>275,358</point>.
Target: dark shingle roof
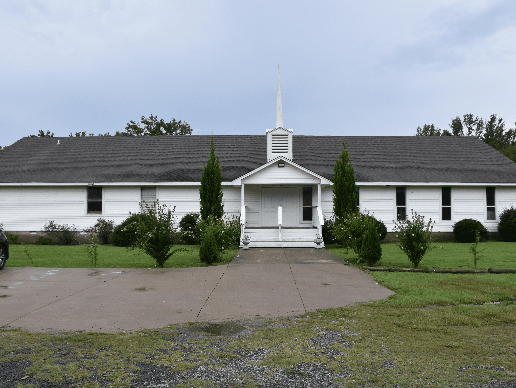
<point>181,158</point>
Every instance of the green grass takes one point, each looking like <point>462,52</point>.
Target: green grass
<point>439,330</point>
<point>495,254</point>
<point>108,257</point>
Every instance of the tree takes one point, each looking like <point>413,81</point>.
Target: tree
<point>43,134</point>
<point>211,187</point>
<point>153,127</point>
<point>492,131</point>
<point>345,196</point>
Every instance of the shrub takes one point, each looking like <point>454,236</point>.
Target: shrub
<point>189,229</point>
<point>414,237</point>
<point>465,230</point>
<point>371,250</point>
<point>350,229</point>
<point>103,229</point>
<point>13,238</point>
<point>66,234</point>
<point>1,228</point>
<point>327,234</point>
<point>124,235</point>
<point>226,231</point>
<point>507,225</point>
<point>43,241</point>
<point>155,233</point>
<point>210,250</point>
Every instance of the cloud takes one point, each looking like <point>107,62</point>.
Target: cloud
<point>458,34</point>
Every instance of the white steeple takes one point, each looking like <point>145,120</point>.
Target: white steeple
<point>279,110</point>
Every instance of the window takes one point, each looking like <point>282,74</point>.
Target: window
<point>490,201</point>
<point>148,196</point>
<point>446,204</point>
<point>94,200</point>
<point>307,203</point>
<point>401,204</point>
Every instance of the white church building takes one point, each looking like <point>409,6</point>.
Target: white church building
<point>279,184</point>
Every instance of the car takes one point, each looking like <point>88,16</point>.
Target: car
<point>4,249</point>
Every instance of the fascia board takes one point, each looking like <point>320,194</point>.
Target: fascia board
<point>434,184</point>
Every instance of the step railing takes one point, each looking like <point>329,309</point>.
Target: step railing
<point>280,220</point>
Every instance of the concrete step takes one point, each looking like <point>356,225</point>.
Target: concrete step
<point>290,237</point>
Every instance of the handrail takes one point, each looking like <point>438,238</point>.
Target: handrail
<point>320,219</point>
<point>280,220</point>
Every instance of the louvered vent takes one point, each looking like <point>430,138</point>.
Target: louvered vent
<point>279,144</point>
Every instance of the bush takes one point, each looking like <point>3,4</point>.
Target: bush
<point>210,251</point>
<point>66,234</point>
<point>465,230</point>
<point>155,233</point>
<point>507,225</point>
<point>189,229</point>
<point>43,241</point>
<point>371,250</point>
<point>103,229</point>
<point>327,234</point>
<point>226,231</point>
<point>13,238</point>
<point>351,229</point>
<point>124,235</point>
<point>414,237</point>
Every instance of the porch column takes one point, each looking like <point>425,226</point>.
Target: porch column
<point>319,208</point>
<point>242,213</point>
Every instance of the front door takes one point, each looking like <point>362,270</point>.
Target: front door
<point>288,198</point>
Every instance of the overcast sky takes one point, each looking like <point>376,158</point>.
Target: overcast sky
<point>347,67</point>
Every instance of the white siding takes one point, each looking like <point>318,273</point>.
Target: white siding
<point>380,202</point>
<point>231,201</point>
<point>253,204</point>
<point>185,199</point>
<point>30,208</point>
<point>118,202</point>
<point>425,201</point>
<point>326,201</point>
<point>281,175</point>
<point>505,197</point>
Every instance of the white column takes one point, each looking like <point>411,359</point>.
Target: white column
<point>319,208</point>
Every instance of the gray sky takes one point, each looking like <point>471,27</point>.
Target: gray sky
<point>347,67</point>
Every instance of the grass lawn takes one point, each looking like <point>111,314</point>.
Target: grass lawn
<point>439,330</point>
<point>494,254</point>
<point>109,256</point>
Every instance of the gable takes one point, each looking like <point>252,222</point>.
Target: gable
<point>288,174</point>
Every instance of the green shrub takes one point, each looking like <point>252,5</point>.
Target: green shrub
<point>189,229</point>
<point>327,234</point>
<point>13,238</point>
<point>465,230</point>
<point>226,231</point>
<point>507,225</point>
<point>350,229</point>
<point>371,250</point>
<point>210,250</point>
<point>103,229</point>
<point>124,235</point>
<point>155,233</point>
<point>66,234</point>
<point>414,237</point>
<point>43,241</point>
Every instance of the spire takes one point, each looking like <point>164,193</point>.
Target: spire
<point>279,110</point>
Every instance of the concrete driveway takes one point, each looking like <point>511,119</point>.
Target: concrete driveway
<point>260,282</point>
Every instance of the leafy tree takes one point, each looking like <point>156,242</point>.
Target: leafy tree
<point>510,152</point>
<point>414,237</point>
<point>345,196</point>
<point>492,131</point>
<point>211,187</point>
<point>43,134</point>
<point>153,127</point>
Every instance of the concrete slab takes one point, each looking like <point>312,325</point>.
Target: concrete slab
<point>265,282</point>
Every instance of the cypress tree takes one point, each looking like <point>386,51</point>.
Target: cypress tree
<point>345,196</point>
<point>211,187</point>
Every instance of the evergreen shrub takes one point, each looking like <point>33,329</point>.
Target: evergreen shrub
<point>327,228</point>
<point>189,229</point>
<point>125,234</point>
<point>103,229</point>
<point>350,229</point>
<point>210,250</point>
<point>371,250</point>
<point>507,225</point>
<point>465,230</point>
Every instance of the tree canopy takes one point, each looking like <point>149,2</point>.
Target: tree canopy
<point>153,126</point>
<point>211,187</point>
<point>345,197</point>
<point>41,133</point>
<point>491,131</point>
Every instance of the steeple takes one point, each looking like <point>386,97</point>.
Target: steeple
<point>279,110</point>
